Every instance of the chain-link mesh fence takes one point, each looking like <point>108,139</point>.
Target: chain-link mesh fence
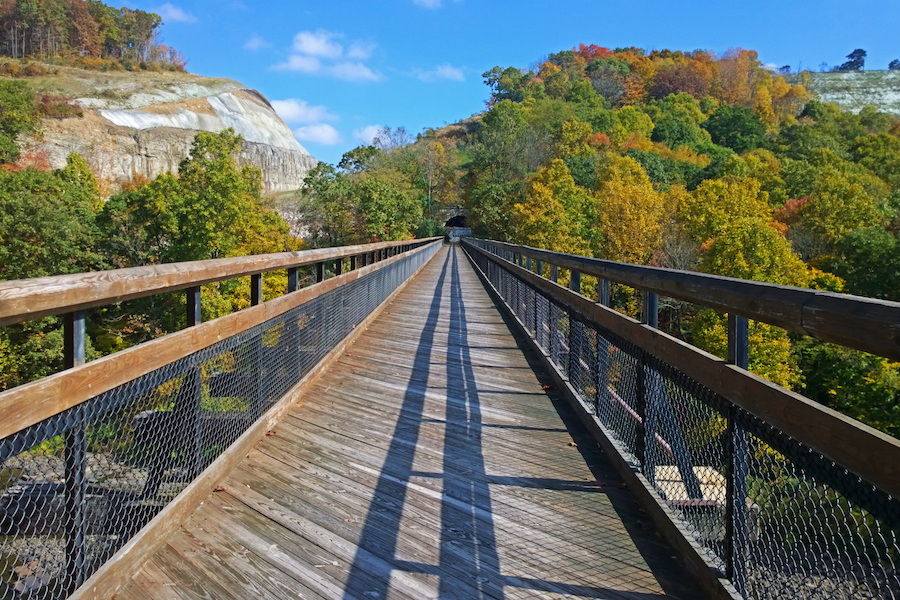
<point>75,487</point>
<point>799,526</point>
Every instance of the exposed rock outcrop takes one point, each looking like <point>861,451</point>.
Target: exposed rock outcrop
<point>852,90</point>
<point>148,130</point>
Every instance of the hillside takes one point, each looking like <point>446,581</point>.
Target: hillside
<point>852,90</point>
<point>143,124</point>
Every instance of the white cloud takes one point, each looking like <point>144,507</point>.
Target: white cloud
<point>428,3</point>
<point>320,52</point>
<point>321,133</point>
<point>255,43</point>
<point>303,64</point>
<point>360,50</point>
<point>172,13</point>
<point>319,43</point>
<point>299,111</point>
<point>367,134</point>
<point>446,71</point>
<point>354,71</point>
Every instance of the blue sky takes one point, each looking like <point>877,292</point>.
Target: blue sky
<point>336,71</point>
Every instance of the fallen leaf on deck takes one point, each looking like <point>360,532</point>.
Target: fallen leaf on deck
<point>623,486</point>
<point>270,432</point>
<point>547,387</point>
<point>221,488</point>
<point>573,444</point>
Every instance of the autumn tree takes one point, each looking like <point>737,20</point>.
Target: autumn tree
<point>630,213</point>
<point>554,214</point>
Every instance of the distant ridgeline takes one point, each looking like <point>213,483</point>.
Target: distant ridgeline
<point>84,33</point>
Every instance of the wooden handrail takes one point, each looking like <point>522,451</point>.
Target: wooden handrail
<point>865,324</point>
<point>31,403</point>
<point>847,442</point>
<point>25,299</point>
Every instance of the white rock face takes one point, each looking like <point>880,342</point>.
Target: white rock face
<point>852,90</point>
<point>149,134</point>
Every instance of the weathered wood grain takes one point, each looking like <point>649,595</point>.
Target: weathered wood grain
<point>25,299</point>
<point>25,405</point>
<point>121,566</point>
<point>863,323</point>
<point>426,464</point>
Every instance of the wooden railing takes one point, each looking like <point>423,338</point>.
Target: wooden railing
<point>849,458</point>
<point>290,337</point>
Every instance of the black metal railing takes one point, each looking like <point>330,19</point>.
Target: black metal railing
<point>76,484</point>
<point>783,497</point>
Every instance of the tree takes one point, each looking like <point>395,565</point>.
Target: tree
<point>389,208</point>
<point>736,127</point>
<point>855,61</point>
<point>630,213</point>
<point>553,214</point>
<point>18,115</point>
<point>716,203</point>
<point>327,208</point>
<point>894,65</point>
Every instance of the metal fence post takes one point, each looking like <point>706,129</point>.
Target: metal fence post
<point>603,292</point>
<point>75,462</point>
<point>320,272</point>
<point>188,403</point>
<point>293,275</point>
<point>575,282</point>
<point>650,312</point>
<point>736,448</point>
<point>193,306</point>
<point>554,273</point>
<point>256,293</point>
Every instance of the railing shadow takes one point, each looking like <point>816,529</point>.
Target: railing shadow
<point>469,563</point>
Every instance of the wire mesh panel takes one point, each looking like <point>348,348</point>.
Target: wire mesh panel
<point>776,517</point>
<point>75,487</point>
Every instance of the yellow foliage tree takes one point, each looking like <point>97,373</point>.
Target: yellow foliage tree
<point>717,202</point>
<point>553,215</point>
<point>630,212</point>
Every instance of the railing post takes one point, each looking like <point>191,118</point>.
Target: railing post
<point>650,312</point>
<point>339,266</point>
<point>293,275</point>
<point>736,448</point>
<point>188,403</point>
<point>193,306</point>
<point>75,462</point>
<point>353,263</point>
<point>320,272</point>
<point>575,281</point>
<point>554,273</point>
<point>528,263</point>
<point>540,268</point>
<point>256,293</point>
<point>603,292</point>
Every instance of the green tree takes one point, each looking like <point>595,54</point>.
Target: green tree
<point>736,127</point>
<point>18,115</point>
<point>389,208</point>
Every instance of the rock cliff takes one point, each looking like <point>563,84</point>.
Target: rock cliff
<point>852,90</point>
<point>145,123</point>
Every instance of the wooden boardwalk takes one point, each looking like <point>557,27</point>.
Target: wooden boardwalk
<point>428,462</point>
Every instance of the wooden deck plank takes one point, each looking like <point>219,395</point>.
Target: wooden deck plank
<point>428,462</point>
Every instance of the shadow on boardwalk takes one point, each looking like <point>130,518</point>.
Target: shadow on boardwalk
<point>468,544</point>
